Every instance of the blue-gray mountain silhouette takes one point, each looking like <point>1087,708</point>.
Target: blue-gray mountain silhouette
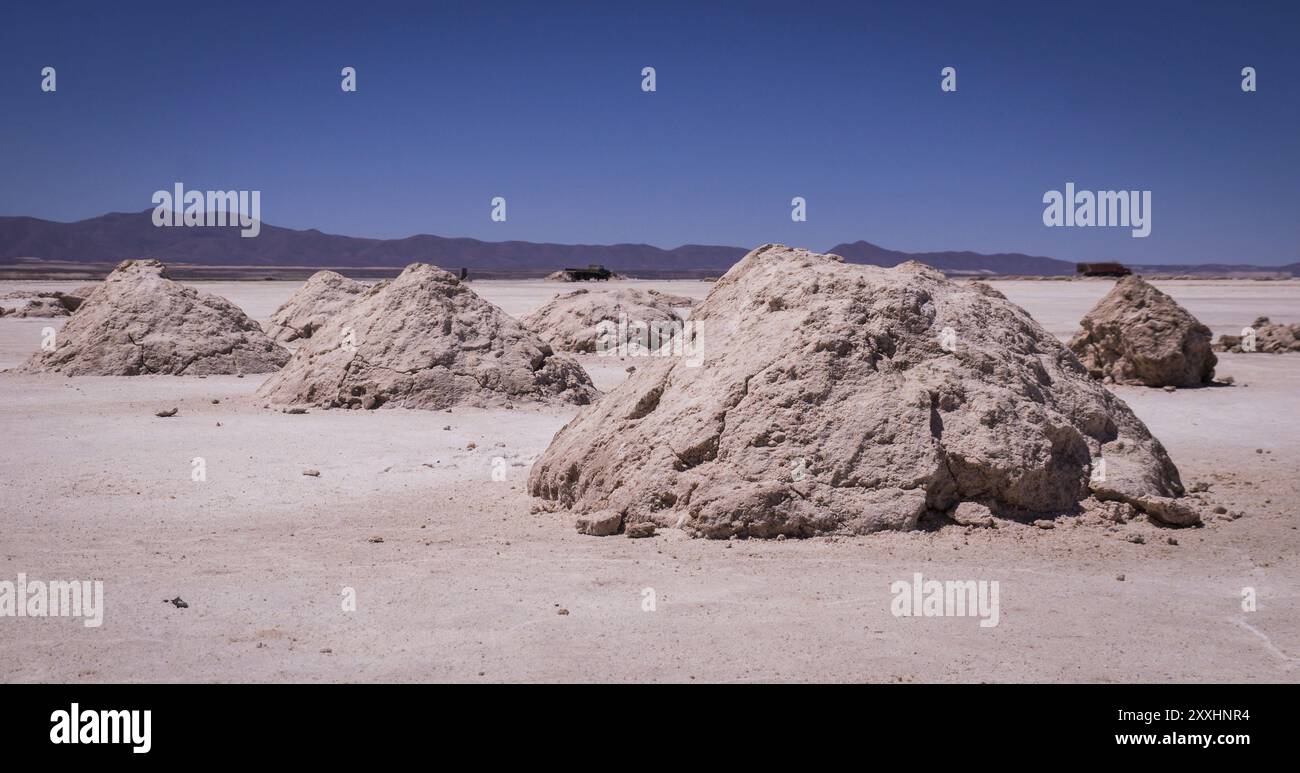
<point>120,235</point>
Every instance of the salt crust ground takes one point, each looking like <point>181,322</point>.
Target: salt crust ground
<point>467,583</point>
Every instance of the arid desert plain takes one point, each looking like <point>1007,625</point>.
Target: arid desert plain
<point>458,576</point>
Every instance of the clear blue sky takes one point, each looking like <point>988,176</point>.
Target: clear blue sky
<point>757,102</point>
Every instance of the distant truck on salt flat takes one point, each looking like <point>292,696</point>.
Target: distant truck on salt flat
<point>1101,269</point>
<point>592,271</point>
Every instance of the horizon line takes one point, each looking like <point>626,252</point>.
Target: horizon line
<point>148,210</point>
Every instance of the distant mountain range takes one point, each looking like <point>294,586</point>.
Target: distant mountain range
<point>1003,263</point>
<point>120,235</point>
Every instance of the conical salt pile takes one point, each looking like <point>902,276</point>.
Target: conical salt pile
<point>571,321</point>
<point>321,299</point>
<point>850,398</point>
<point>138,322</point>
<point>425,341</point>
<point>1138,335</point>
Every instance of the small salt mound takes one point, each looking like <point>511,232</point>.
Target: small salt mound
<point>323,296</point>
<point>29,303</point>
<point>837,398</point>
<point>1138,335</point>
<point>425,340</point>
<point>138,322</point>
<point>570,322</point>
<point>1270,338</point>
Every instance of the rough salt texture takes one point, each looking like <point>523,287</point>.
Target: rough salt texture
<point>833,399</point>
<point>569,322</point>
<point>138,322</point>
<point>1270,338</point>
<point>425,340</point>
<point>1138,335</point>
<point>323,296</point>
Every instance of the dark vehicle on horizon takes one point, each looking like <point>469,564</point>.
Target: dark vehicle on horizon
<point>1101,269</point>
<point>591,272</point>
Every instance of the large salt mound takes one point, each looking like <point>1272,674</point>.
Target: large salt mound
<point>569,322</point>
<point>1138,335</point>
<point>851,398</point>
<point>138,321</point>
<point>323,296</point>
<point>424,341</point>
